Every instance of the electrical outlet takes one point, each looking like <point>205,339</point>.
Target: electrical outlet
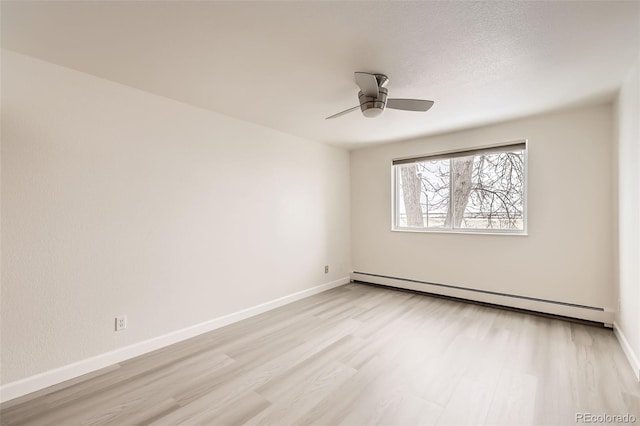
<point>121,323</point>
<point>326,269</point>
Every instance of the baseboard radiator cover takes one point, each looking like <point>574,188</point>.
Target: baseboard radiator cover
<point>64,373</point>
<point>525,303</point>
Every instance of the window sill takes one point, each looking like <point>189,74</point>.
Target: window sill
<point>465,232</point>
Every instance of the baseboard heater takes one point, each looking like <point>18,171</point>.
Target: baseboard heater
<point>563,310</point>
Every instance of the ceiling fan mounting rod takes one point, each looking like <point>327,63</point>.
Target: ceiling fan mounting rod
<point>381,79</point>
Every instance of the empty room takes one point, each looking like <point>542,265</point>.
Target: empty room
<point>320,212</point>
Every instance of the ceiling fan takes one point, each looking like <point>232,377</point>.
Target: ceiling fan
<point>373,97</point>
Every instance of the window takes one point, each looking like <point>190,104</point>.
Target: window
<point>479,190</point>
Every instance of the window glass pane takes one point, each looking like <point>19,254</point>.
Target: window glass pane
<point>434,180</point>
<point>423,194</point>
<point>489,191</point>
<point>478,190</point>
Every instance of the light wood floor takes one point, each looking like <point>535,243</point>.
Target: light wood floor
<point>357,355</point>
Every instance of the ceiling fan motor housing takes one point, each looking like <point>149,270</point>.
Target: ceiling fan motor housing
<point>373,106</point>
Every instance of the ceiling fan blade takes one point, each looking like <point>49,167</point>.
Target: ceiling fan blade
<point>367,83</point>
<point>409,104</point>
<point>346,111</point>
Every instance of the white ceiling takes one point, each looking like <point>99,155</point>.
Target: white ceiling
<point>288,65</point>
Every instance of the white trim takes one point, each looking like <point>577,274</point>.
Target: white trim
<point>470,231</point>
<point>628,350</point>
<point>52,377</point>
<point>605,316</point>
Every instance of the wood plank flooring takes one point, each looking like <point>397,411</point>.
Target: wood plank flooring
<point>357,355</point>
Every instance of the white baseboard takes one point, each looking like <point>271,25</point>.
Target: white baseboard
<point>628,351</point>
<point>52,377</point>
<point>554,308</point>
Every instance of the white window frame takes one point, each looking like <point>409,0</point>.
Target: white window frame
<point>395,206</point>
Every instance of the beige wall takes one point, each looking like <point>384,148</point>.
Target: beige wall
<point>628,182</point>
<point>567,255</point>
<point>116,201</point>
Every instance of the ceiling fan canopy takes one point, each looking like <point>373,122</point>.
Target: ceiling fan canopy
<point>373,97</point>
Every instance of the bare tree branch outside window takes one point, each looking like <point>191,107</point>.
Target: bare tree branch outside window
<point>481,191</point>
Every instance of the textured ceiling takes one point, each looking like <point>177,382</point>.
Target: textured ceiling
<point>287,65</point>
